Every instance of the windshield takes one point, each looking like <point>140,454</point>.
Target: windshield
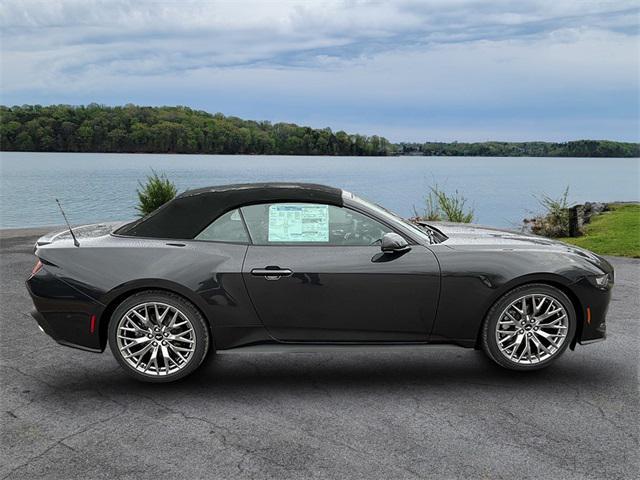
<point>385,213</point>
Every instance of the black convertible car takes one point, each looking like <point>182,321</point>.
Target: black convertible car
<point>299,267</point>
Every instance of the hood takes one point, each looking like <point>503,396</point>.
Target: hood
<point>463,235</point>
<point>470,234</point>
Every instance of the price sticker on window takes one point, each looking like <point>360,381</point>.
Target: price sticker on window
<point>298,223</point>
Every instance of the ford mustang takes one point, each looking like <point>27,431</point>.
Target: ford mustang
<point>303,267</point>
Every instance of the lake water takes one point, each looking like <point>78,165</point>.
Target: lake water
<point>97,187</point>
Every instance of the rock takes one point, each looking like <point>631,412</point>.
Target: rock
<point>593,208</point>
<point>571,225</point>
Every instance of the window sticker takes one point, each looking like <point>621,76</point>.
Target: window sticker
<point>298,223</point>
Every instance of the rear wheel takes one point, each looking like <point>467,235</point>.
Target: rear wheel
<point>158,336</point>
<point>529,327</point>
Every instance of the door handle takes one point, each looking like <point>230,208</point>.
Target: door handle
<point>273,273</point>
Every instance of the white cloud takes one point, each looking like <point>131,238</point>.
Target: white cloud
<point>412,59</point>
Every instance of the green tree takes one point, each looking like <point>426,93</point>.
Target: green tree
<point>154,193</point>
<point>132,128</point>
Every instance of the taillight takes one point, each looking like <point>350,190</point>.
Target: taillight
<point>36,268</point>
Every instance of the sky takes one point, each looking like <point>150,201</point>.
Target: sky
<point>409,70</point>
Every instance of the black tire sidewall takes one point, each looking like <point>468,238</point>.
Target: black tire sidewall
<point>488,339</point>
<point>197,321</point>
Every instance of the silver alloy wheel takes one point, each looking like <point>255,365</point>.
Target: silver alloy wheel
<point>532,329</point>
<point>156,339</point>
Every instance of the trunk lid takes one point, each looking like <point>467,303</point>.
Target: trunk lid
<point>83,231</point>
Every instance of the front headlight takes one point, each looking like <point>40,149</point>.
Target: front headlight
<point>601,281</point>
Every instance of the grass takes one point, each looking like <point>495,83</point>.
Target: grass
<point>616,232</point>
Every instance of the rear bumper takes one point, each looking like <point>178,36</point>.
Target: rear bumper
<point>46,327</point>
<point>65,314</point>
<point>42,323</point>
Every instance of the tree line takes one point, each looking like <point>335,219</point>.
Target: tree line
<point>578,148</point>
<point>136,129</point>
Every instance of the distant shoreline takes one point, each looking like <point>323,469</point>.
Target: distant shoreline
<point>177,154</point>
<point>180,130</point>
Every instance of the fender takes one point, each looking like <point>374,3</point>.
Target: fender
<point>113,298</point>
<point>555,280</point>
<point>461,323</point>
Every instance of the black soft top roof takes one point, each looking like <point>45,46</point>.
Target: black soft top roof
<point>190,212</point>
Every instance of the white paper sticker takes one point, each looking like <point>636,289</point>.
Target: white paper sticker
<point>298,222</point>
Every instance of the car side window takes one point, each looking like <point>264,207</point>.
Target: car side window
<point>310,223</point>
<point>226,228</point>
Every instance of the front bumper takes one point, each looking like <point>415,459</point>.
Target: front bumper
<point>595,304</point>
<point>65,314</point>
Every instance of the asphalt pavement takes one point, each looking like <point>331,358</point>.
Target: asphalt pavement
<point>443,413</point>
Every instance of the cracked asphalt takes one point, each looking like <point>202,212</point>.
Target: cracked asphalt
<point>445,413</point>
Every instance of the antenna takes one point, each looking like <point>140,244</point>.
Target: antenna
<point>75,240</point>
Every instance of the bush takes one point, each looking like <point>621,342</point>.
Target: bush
<point>157,191</point>
<point>555,221</point>
<point>441,206</point>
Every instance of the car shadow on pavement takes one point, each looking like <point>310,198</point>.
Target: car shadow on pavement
<point>261,374</point>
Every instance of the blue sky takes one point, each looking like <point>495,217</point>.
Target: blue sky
<point>409,70</point>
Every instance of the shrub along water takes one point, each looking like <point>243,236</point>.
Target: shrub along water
<point>554,222</point>
<point>157,191</point>
<point>441,206</point>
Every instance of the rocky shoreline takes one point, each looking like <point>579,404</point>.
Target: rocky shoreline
<point>567,222</point>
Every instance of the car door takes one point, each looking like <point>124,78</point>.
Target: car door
<point>315,273</point>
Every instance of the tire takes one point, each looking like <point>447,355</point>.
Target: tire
<point>534,339</point>
<point>158,336</point>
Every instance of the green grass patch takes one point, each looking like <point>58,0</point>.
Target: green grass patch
<point>616,232</point>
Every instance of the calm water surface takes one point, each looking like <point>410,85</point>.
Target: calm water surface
<point>97,187</point>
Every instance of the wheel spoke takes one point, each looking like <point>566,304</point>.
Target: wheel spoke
<point>154,360</point>
<point>540,346</point>
<point>180,349</point>
<point>177,352</point>
<point>166,357</point>
<point>144,319</point>
<point>134,341</point>
<point>131,322</point>
<point>553,322</point>
<point>181,337</point>
<point>516,345</point>
<point>511,320</point>
<point>172,322</point>
<point>537,307</point>
<point>140,352</point>
<point>527,348</point>
<point>550,313</point>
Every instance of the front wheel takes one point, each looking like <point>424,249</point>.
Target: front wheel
<point>529,327</point>
<point>158,336</point>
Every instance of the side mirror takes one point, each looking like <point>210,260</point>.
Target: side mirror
<point>392,242</point>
